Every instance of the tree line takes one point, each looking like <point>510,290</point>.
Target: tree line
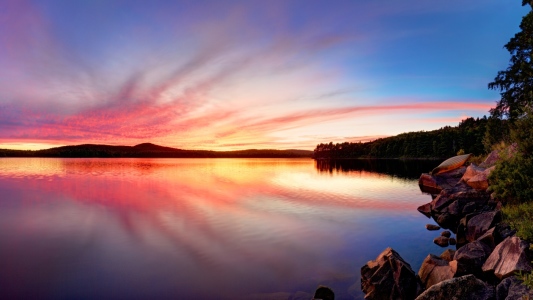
<point>474,136</point>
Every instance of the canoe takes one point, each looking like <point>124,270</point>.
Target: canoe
<point>451,164</point>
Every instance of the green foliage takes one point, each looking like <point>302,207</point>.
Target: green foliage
<point>516,82</point>
<point>441,143</point>
<point>512,178</point>
<point>519,217</point>
<point>497,131</point>
<point>527,280</point>
<point>477,159</point>
<point>522,132</point>
<point>461,152</point>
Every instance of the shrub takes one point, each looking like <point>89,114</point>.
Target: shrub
<point>519,217</point>
<point>511,180</point>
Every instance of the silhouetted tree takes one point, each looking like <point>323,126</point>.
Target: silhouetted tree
<point>516,82</point>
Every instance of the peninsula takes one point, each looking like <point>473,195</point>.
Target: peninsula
<point>149,150</point>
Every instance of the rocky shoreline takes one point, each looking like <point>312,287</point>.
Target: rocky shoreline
<point>487,257</point>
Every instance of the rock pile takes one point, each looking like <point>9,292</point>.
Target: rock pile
<point>487,256</point>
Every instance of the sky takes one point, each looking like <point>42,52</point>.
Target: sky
<point>247,74</point>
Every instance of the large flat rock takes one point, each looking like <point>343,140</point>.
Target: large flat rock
<point>508,257</point>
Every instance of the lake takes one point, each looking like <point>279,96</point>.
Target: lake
<point>203,228</point>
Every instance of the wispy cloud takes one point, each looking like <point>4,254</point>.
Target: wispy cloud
<point>230,76</point>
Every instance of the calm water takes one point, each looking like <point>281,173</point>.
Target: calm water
<point>202,228</point>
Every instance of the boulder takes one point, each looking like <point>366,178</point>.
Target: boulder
<point>446,233</point>
<point>470,258</point>
<point>442,241</point>
<point>511,288</point>
<point>434,270</point>
<point>491,159</point>
<point>479,224</point>
<point>471,171</point>
<point>432,227</point>
<point>428,183</point>
<point>508,257</point>
<point>462,228</point>
<point>503,231</point>
<point>480,181</point>
<point>425,209</point>
<point>447,208</point>
<point>441,202</point>
<point>465,287</point>
<point>324,293</point>
<point>447,220</point>
<point>490,238</point>
<point>452,241</point>
<point>470,208</point>
<point>495,155</point>
<point>433,184</point>
<point>448,254</point>
<point>389,277</point>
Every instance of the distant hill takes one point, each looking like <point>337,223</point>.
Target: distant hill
<point>153,147</point>
<point>150,150</point>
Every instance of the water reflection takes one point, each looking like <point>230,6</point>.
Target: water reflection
<point>204,228</point>
<point>408,169</point>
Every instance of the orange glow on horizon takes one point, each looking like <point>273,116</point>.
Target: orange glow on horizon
<point>29,145</point>
<point>226,130</point>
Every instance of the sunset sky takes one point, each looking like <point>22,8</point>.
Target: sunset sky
<point>226,75</point>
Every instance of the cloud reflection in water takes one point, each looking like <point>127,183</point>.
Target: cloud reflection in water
<point>211,228</point>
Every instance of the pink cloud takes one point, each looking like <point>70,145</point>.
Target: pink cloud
<point>141,121</point>
<point>184,95</point>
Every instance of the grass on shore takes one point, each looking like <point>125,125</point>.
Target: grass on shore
<point>520,217</point>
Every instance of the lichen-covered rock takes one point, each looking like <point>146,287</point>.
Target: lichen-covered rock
<point>470,258</point>
<point>434,270</point>
<point>465,287</point>
<point>511,288</point>
<point>508,257</point>
<point>389,277</point>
